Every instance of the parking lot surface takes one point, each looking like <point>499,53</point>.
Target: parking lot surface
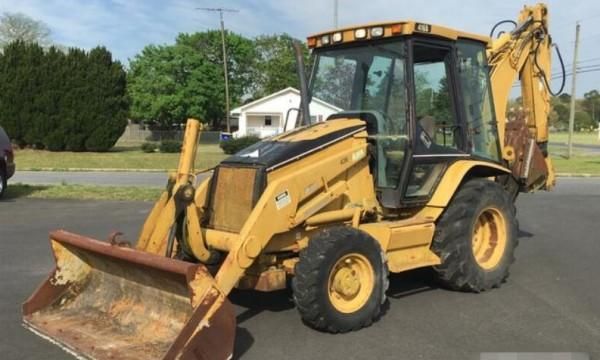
<point>551,301</point>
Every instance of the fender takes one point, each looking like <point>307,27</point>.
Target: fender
<point>456,173</point>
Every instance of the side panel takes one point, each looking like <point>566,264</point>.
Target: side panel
<point>406,243</point>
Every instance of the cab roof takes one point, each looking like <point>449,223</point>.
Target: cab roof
<point>374,31</point>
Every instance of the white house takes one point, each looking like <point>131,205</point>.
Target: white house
<point>266,116</point>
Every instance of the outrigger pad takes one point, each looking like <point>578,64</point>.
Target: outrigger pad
<point>103,301</point>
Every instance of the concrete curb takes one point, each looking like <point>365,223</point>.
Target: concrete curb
<point>584,175</point>
<point>97,170</point>
<point>576,175</point>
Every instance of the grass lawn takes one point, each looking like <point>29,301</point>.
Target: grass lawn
<point>130,157</point>
<point>82,192</point>
<point>588,138</point>
<point>577,164</point>
<point>119,158</point>
<point>580,163</point>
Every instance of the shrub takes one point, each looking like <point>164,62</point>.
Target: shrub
<point>75,100</point>
<point>74,142</point>
<point>54,141</point>
<point>149,147</point>
<point>233,146</point>
<point>170,146</point>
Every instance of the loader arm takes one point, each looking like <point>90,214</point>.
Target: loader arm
<point>524,53</point>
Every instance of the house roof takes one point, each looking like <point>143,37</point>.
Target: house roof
<point>287,90</point>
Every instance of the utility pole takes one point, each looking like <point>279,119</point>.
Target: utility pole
<point>335,14</point>
<point>221,11</point>
<point>573,93</point>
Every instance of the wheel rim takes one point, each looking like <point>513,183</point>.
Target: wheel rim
<point>351,282</point>
<point>489,238</point>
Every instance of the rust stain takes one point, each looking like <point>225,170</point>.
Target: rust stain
<point>108,302</point>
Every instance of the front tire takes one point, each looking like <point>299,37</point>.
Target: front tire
<point>476,237</point>
<point>340,280</point>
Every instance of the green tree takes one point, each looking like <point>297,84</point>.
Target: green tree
<point>75,101</point>
<point>20,27</point>
<point>583,121</point>
<point>442,105</point>
<point>168,84</point>
<point>276,64</point>
<point>565,98</point>
<point>559,116</point>
<point>591,104</point>
<point>333,81</point>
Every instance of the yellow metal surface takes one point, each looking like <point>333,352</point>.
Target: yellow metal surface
<point>300,182</point>
<point>489,238</point>
<point>520,57</point>
<point>390,29</point>
<point>455,174</point>
<point>406,243</point>
<point>268,280</point>
<point>162,217</point>
<point>350,283</point>
<point>411,258</point>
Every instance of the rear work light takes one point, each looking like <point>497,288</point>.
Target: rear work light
<point>360,33</point>
<point>377,31</point>
<point>337,37</point>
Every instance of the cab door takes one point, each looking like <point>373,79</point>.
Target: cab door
<point>438,134</point>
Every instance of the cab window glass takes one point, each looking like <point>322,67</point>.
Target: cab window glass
<point>473,76</point>
<point>436,130</point>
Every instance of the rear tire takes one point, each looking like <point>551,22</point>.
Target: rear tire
<point>476,237</point>
<point>340,280</point>
<point>2,181</point>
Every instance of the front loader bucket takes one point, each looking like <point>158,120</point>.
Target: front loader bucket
<point>103,301</point>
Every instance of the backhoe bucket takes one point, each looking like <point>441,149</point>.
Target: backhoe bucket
<point>103,301</point>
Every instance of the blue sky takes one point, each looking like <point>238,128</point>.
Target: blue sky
<point>126,26</point>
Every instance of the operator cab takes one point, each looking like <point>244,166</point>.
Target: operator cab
<point>424,93</point>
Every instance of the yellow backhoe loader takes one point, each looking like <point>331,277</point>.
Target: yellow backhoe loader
<point>420,167</point>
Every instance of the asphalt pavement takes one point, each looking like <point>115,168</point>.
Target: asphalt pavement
<point>551,302</point>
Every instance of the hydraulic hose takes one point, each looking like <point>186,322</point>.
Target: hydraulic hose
<point>500,23</point>
<point>545,76</point>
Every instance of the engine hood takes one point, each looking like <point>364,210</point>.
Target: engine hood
<point>296,144</point>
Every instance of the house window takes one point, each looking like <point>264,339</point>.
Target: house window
<point>268,120</point>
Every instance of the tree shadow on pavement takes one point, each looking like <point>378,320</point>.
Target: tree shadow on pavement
<point>15,191</point>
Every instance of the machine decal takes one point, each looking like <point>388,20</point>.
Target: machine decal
<point>282,200</point>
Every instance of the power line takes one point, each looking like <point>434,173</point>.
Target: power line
<point>570,23</point>
<point>569,74</point>
<point>580,62</point>
<point>221,11</point>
